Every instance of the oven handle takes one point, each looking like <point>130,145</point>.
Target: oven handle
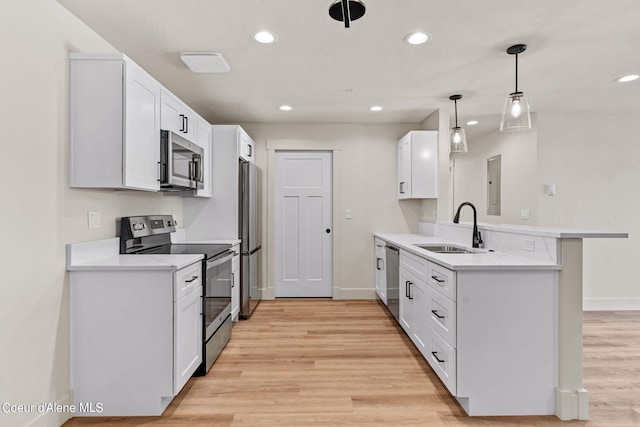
<point>220,260</point>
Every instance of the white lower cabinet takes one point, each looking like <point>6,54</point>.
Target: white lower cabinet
<point>381,271</point>
<point>136,337</point>
<point>489,335</point>
<point>235,284</point>
<point>413,308</point>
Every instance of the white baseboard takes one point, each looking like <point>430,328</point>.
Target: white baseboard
<point>355,293</point>
<point>610,304</point>
<point>53,419</point>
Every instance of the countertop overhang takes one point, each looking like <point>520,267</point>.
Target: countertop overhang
<point>482,259</point>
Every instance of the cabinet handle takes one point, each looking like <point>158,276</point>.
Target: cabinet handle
<point>378,261</point>
<point>186,126</point>
<point>437,315</point>
<point>233,280</point>
<point>402,187</point>
<point>250,150</point>
<point>192,279</point>
<point>159,172</point>
<point>435,354</point>
<point>407,289</point>
<point>438,279</point>
<point>182,129</point>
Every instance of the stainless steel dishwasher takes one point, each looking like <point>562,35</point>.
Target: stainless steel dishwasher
<point>393,280</point>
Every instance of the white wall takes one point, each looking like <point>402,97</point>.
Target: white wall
<point>368,177</point>
<point>519,171</point>
<point>593,161</point>
<point>40,213</point>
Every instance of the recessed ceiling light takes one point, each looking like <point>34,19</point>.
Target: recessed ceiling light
<point>264,37</point>
<point>629,78</point>
<point>205,62</point>
<point>472,122</point>
<point>285,107</point>
<point>417,38</point>
<point>376,108</point>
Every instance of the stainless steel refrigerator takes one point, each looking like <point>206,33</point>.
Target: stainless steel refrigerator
<point>250,234</point>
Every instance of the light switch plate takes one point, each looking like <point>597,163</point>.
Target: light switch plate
<point>525,214</point>
<point>348,214</point>
<point>93,219</point>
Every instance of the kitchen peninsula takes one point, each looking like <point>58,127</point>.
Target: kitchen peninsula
<point>501,326</point>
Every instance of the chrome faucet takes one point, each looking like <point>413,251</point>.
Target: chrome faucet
<point>477,238</point>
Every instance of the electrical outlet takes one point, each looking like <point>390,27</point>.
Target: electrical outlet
<point>529,245</point>
<point>93,219</point>
<point>348,214</point>
<point>525,214</point>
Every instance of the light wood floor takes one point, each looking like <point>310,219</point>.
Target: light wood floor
<point>334,363</point>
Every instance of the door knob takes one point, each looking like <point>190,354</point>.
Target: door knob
<point>328,230</point>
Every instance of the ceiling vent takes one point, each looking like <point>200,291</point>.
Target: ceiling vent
<point>205,62</point>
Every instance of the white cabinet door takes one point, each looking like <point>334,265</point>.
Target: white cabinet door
<point>142,130</point>
<point>420,327</point>
<point>406,302</point>
<point>235,285</point>
<point>177,117</point>
<point>204,141</point>
<point>247,146</point>
<point>381,270</point>
<point>188,337</point>
<point>418,165</point>
<point>404,168</point>
<point>170,113</point>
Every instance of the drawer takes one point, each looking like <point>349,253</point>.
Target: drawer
<point>442,280</point>
<point>187,279</point>
<point>442,315</point>
<point>442,359</point>
<point>416,265</point>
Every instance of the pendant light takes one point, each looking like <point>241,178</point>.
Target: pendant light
<point>515,114</point>
<point>457,138</point>
<point>347,11</point>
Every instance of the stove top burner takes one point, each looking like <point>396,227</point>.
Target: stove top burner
<point>209,250</point>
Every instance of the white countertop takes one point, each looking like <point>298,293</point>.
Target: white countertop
<point>137,262</point>
<point>101,255</point>
<point>482,260</point>
<point>558,233</point>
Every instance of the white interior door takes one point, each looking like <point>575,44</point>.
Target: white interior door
<point>303,227</point>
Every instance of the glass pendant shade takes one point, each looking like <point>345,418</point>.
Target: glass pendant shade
<point>515,114</point>
<point>457,140</point>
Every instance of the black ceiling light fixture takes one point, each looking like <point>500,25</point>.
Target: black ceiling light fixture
<point>457,137</point>
<point>515,114</point>
<point>347,11</point>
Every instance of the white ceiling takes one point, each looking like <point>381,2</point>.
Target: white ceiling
<point>576,48</point>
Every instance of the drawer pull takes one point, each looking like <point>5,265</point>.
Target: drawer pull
<point>192,279</point>
<point>436,314</point>
<point>438,279</point>
<point>435,354</point>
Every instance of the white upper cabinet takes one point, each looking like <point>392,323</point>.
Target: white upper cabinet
<point>418,165</point>
<point>176,116</point>
<point>246,147</point>
<point>205,141</point>
<point>115,123</point>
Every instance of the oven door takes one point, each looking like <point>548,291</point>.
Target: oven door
<point>217,292</point>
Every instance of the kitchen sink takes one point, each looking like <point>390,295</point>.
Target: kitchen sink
<point>446,249</point>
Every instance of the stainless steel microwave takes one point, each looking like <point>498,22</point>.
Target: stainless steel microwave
<point>181,166</point>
